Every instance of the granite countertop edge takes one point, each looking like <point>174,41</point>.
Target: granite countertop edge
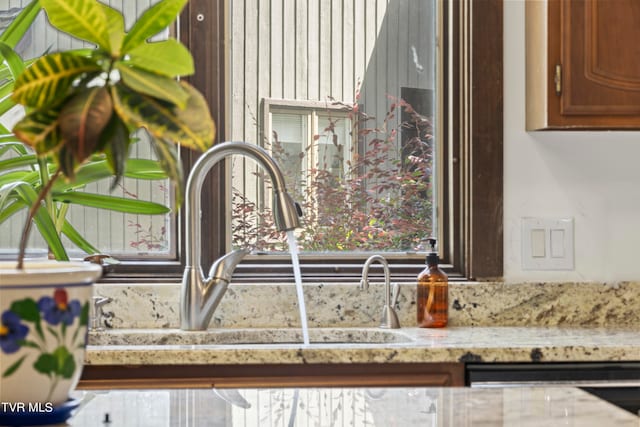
<point>448,345</point>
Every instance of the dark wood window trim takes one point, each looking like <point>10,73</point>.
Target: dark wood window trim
<point>473,212</point>
<point>202,30</point>
<point>477,135</point>
<point>485,163</point>
<point>473,108</point>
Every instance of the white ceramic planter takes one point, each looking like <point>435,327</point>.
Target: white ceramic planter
<point>44,312</point>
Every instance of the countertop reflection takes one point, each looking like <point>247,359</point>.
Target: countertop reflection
<point>347,407</point>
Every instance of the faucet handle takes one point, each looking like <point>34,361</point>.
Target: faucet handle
<point>96,319</point>
<point>389,318</point>
<point>395,295</point>
<point>224,266</point>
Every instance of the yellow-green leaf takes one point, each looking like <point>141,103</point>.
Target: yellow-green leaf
<point>192,126</point>
<point>12,59</point>
<point>151,22</point>
<point>170,163</point>
<point>43,221</point>
<point>153,84</point>
<point>17,162</point>
<point>90,172</point>
<point>118,204</point>
<point>39,129</point>
<point>50,78</point>
<point>20,24</point>
<point>77,238</point>
<point>83,19</point>
<point>115,26</point>
<point>197,118</point>
<point>11,209</point>
<point>21,175</point>
<point>167,57</point>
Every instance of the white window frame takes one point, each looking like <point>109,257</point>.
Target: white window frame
<point>314,110</point>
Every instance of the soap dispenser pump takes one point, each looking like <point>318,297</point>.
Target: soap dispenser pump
<point>433,293</point>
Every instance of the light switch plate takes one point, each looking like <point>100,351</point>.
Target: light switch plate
<point>547,244</point>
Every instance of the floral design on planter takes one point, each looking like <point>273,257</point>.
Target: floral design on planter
<point>12,332</point>
<point>59,314</point>
<point>58,309</point>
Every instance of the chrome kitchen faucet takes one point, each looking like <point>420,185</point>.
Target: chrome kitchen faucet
<point>201,295</point>
<point>389,316</point>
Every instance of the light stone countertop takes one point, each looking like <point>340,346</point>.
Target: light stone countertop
<point>488,322</point>
<point>341,407</point>
<point>589,304</point>
<point>364,345</point>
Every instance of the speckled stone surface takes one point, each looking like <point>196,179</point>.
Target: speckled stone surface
<point>411,345</point>
<point>471,304</point>
<point>427,407</point>
<point>546,304</point>
<point>489,322</point>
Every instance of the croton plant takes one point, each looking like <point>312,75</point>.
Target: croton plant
<point>85,105</point>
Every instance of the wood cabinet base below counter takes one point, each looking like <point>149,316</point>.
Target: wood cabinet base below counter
<point>240,376</point>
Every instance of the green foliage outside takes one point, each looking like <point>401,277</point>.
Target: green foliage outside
<point>382,200</point>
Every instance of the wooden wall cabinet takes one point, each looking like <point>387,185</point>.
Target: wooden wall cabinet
<point>583,64</point>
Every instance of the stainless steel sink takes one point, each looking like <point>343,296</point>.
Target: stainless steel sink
<point>134,337</point>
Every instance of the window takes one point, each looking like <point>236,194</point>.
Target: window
<point>465,107</point>
<point>303,139</point>
<point>123,235</point>
<point>309,142</point>
<point>313,144</point>
<point>372,57</point>
<point>334,115</point>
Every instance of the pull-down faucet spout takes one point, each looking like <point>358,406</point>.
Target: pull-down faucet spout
<point>201,295</point>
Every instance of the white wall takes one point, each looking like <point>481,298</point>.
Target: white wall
<point>593,177</point>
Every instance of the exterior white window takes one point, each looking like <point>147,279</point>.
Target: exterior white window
<point>304,140</point>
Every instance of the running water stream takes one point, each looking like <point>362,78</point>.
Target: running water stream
<point>293,248</point>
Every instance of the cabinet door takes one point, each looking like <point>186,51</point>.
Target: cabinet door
<point>592,63</point>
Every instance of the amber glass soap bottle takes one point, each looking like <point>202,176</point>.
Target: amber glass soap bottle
<point>433,293</point>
